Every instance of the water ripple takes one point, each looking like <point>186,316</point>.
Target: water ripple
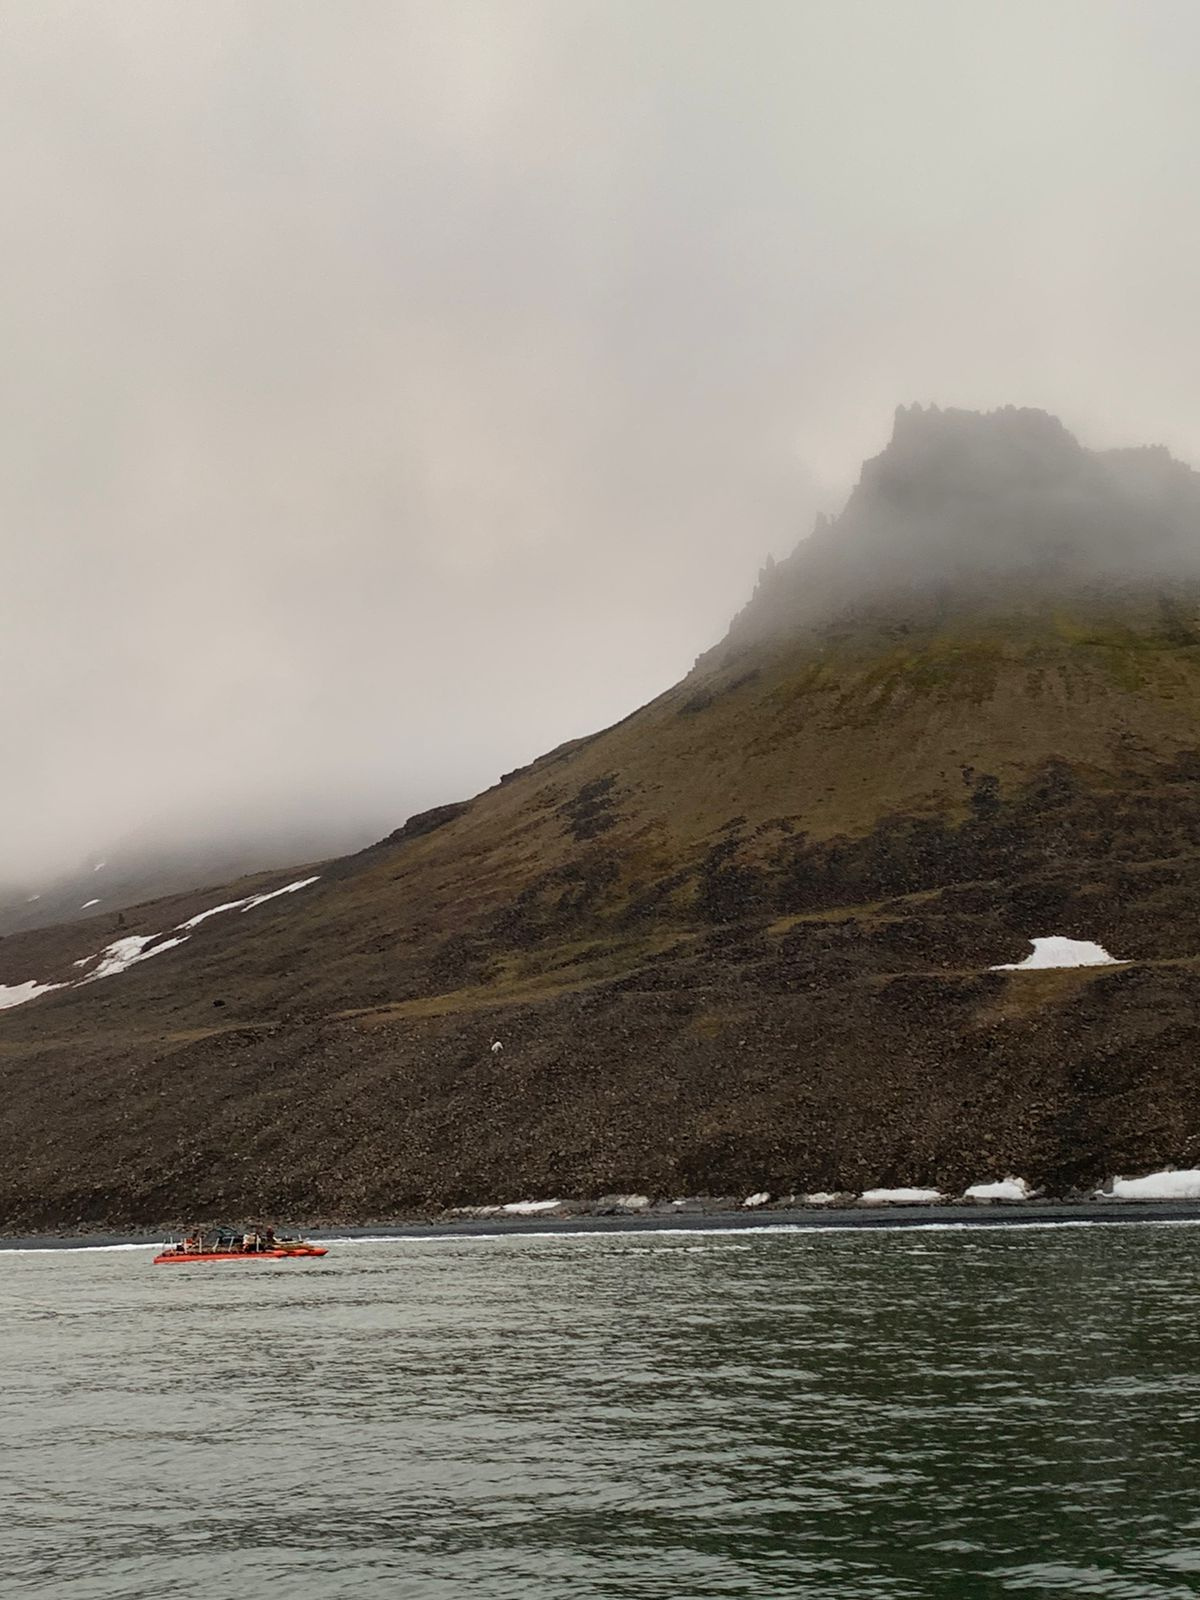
<point>828,1416</point>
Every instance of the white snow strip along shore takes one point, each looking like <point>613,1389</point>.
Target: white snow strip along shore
<point>1057,951</point>
<point>124,953</point>
<point>1005,1189</point>
<point>900,1197</point>
<point>1165,1185</point>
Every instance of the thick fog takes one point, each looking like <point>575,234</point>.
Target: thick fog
<point>393,390</point>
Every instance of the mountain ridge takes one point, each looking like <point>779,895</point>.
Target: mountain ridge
<point>743,937</point>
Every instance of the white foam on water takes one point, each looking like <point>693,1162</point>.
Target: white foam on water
<point>735,1237</point>
<point>72,1249</point>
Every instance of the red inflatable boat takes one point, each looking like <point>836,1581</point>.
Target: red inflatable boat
<point>231,1244</point>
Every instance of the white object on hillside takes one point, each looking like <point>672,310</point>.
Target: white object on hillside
<point>213,911</point>
<point>631,1202</point>
<point>496,1047</point>
<point>900,1197</point>
<point>288,888</point>
<point>758,1199</point>
<point>1057,951</point>
<point>529,1208</point>
<point>1005,1189</point>
<point>16,994</point>
<point>88,903</point>
<point>821,1198</point>
<point>1166,1185</point>
<point>248,904</point>
<point>125,953</point>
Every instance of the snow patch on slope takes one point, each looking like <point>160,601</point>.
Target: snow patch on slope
<point>124,953</point>
<point>273,894</point>
<point>248,904</point>
<point>16,994</point>
<point>213,911</point>
<point>1057,951</point>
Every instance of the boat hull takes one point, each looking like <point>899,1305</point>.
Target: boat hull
<point>174,1258</point>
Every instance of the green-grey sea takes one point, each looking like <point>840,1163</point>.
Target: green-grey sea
<point>951,1412</point>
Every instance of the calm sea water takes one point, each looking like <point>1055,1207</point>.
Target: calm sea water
<point>951,1414</point>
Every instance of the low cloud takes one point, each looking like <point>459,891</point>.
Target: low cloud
<point>393,391</point>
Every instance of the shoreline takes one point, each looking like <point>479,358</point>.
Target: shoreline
<point>1009,1214</point>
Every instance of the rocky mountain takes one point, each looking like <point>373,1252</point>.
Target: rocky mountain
<point>742,939</point>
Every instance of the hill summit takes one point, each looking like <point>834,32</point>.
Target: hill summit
<point>745,939</point>
<point>966,503</point>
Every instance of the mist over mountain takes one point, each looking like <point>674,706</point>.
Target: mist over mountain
<point>143,868</point>
<point>1003,505</point>
<point>398,391</point>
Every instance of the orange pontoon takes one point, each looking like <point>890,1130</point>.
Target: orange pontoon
<point>229,1244</point>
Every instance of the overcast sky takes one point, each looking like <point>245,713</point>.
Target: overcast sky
<point>393,390</point>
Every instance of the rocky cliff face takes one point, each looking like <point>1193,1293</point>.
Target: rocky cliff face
<point>744,938</point>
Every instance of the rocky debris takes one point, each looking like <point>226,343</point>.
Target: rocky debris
<point>620,1205</point>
